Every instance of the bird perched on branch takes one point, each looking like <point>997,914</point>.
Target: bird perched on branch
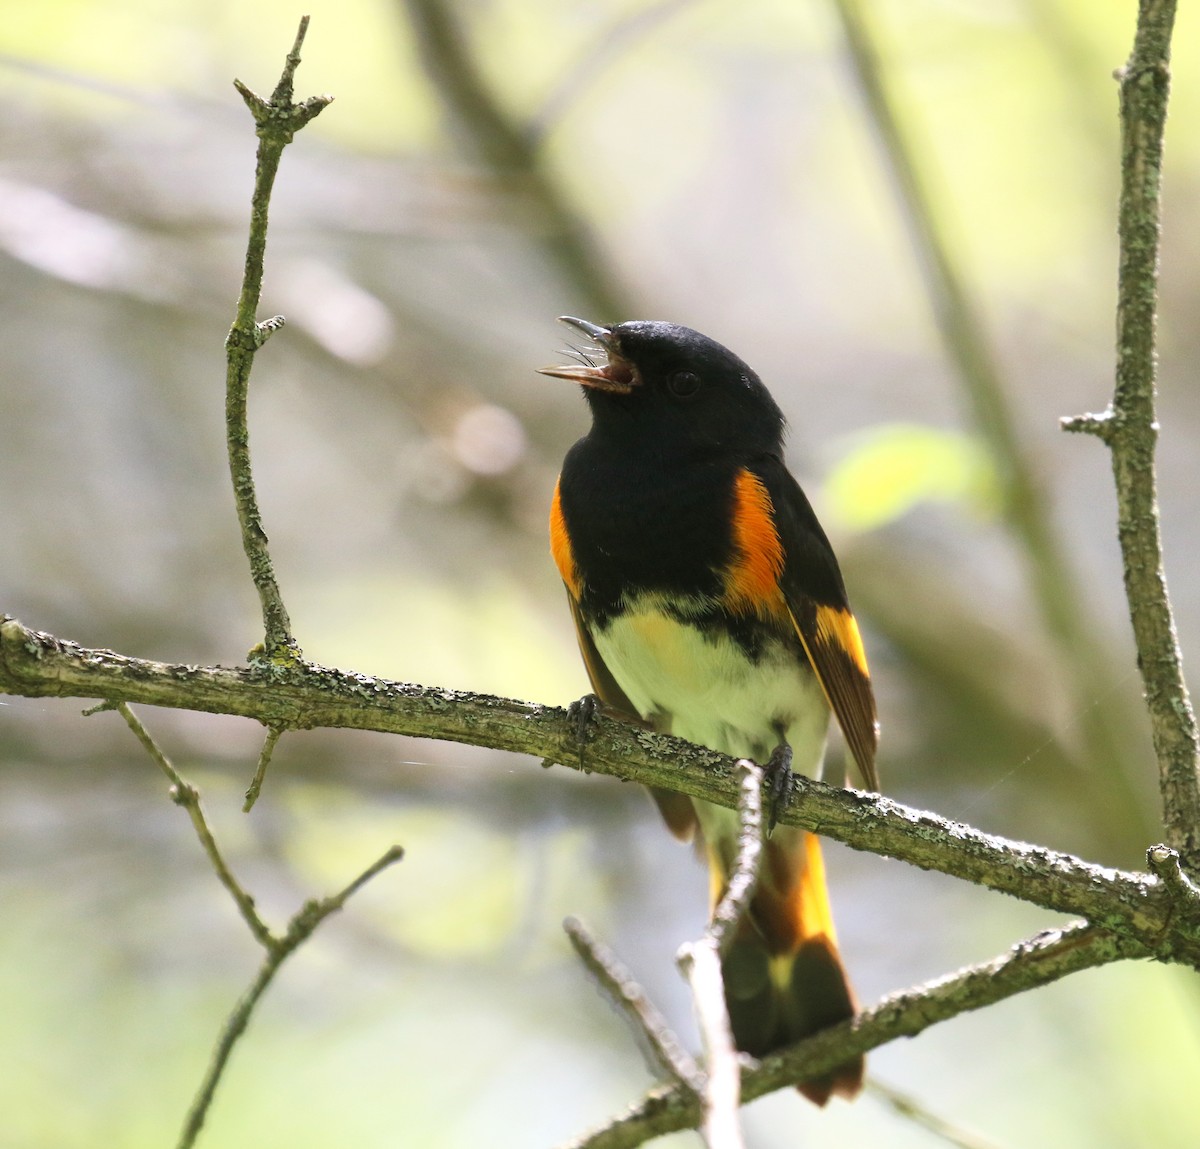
<point>708,603</point>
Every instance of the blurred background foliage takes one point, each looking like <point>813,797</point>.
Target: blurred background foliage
<point>487,165</point>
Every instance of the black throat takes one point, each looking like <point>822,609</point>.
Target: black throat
<point>642,521</point>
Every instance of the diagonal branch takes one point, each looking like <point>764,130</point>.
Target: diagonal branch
<point>278,950</point>
<point>278,947</point>
<point>665,1052</point>
<point>1038,961</point>
<point>1135,905</point>
<point>186,795</point>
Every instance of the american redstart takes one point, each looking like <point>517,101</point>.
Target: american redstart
<point>708,603</point>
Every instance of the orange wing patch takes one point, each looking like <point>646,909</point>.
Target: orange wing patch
<point>560,547</point>
<point>837,626</point>
<point>752,577</point>
<point>834,647</point>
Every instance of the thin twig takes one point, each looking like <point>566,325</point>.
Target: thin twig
<point>186,795</point>
<point>1166,865</point>
<point>277,120</point>
<point>910,1108</point>
<point>620,986</point>
<point>1130,429</point>
<point>260,770</point>
<point>721,1097</point>
<point>279,949</point>
<point>700,963</point>
<point>1045,958</point>
<point>1026,508</point>
<point>744,880</point>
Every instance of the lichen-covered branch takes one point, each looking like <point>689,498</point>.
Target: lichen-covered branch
<point>1038,961</point>
<point>276,120</point>
<point>1134,905</point>
<point>1130,428</point>
<point>1026,508</point>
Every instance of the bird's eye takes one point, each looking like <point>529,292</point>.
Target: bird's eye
<point>684,384</point>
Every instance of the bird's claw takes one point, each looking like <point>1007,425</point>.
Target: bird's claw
<point>777,772</point>
<point>580,713</point>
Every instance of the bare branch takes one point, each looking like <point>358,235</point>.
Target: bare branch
<point>721,1097</point>
<point>700,963</point>
<point>1047,957</point>
<point>186,795</point>
<point>260,770</point>
<point>1130,429</point>
<point>279,949</point>
<point>619,984</point>
<point>276,120</point>
<point>965,339</point>
<point>1136,905</point>
<point>744,880</point>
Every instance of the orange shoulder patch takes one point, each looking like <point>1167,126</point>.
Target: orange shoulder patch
<point>560,546</point>
<point>752,576</point>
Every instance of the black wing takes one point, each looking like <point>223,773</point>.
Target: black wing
<point>816,599</point>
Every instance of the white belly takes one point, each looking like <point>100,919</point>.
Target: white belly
<point>707,692</point>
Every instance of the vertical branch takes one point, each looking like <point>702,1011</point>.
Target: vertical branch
<point>1130,428</point>
<point>1054,586</point>
<point>277,120</point>
<point>700,963</point>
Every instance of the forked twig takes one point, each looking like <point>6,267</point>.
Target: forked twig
<point>276,120</point>
<point>278,947</point>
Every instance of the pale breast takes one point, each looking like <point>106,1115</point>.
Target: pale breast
<point>707,690</point>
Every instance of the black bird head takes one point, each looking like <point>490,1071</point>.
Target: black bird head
<point>673,387</point>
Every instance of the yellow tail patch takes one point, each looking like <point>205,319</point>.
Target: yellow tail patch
<point>815,915</point>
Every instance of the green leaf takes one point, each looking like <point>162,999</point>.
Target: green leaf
<point>892,468</point>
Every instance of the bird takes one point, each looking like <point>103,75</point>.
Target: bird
<point>708,604</point>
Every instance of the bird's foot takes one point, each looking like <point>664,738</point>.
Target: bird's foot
<point>777,771</point>
<point>580,714</point>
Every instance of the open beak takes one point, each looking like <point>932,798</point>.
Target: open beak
<point>617,374</point>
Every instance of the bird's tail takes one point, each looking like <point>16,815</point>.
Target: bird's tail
<point>784,978</point>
